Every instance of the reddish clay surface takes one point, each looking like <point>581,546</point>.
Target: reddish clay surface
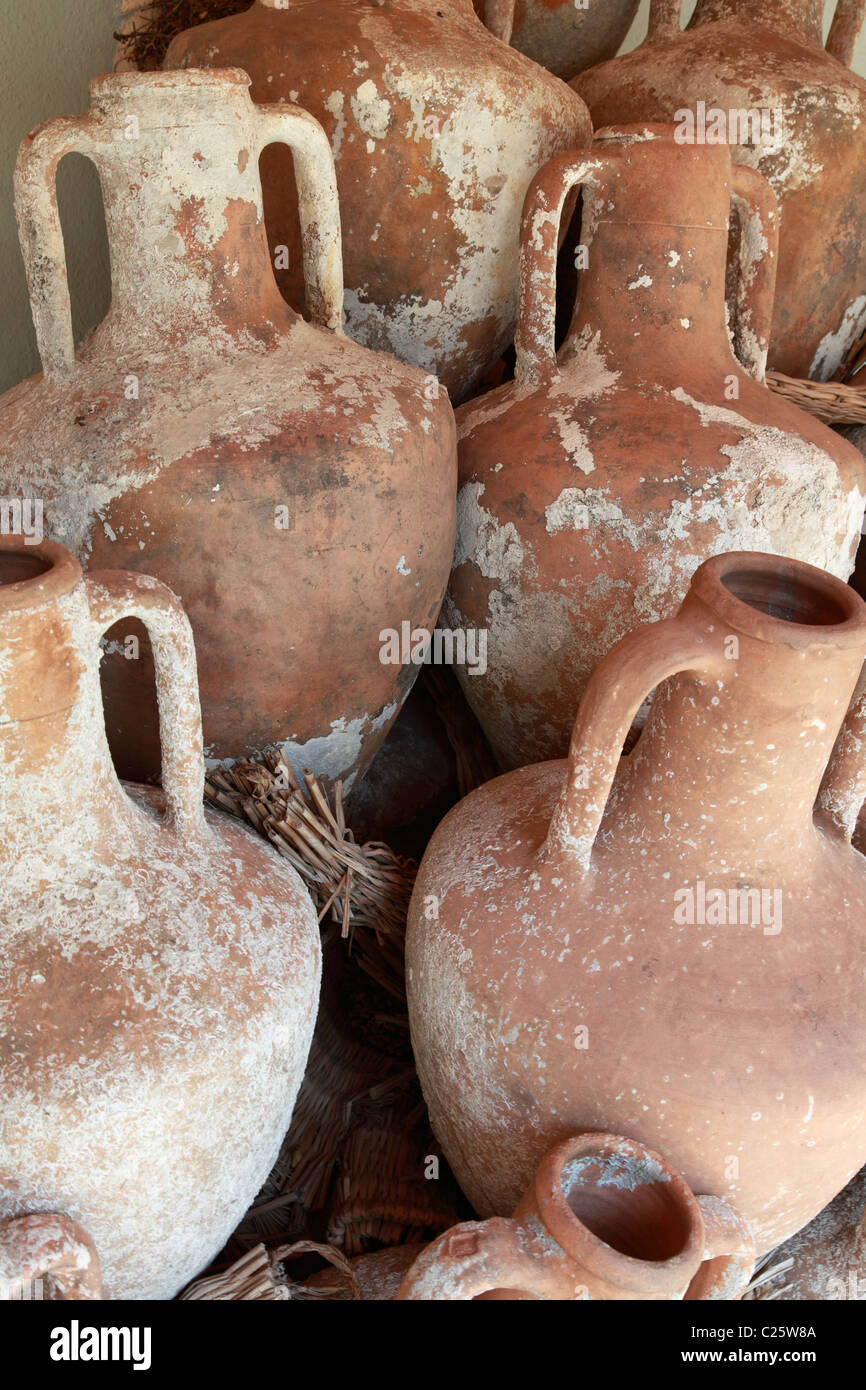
<point>295,489</point>
<point>767,55</point>
<point>436,130</point>
<point>159,967</point>
<point>667,946</point>
<point>593,485</point>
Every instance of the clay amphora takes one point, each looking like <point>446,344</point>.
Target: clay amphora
<point>592,485</point>
<point>667,946</point>
<point>755,73</point>
<point>295,489</point>
<point>436,130</point>
<point>603,1219</point>
<point>159,967</point>
<point>563,36</point>
<point>47,1256</point>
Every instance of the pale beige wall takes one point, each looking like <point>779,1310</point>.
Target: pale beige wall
<point>48,50</point>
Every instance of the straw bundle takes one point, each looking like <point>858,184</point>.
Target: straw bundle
<point>364,887</point>
<point>475,761</point>
<point>260,1277</point>
<point>152,25</point>
<point>834,402</point>
<point>841,401</point>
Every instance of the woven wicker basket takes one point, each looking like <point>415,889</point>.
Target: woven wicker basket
<point>834,402</point>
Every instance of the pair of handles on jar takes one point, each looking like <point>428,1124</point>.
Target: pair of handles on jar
<point>41,234</point>
<point>117,595</point>
<point>665,16</point>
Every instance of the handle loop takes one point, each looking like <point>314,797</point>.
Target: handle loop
<point>41,235</point>
<point>318,207</point>
<point>535,338</point>
<point>846,29</point>
<point>843,787</point>
<point>114,595</point>
<point>52,1245</point>
<point>758,258</point>
<point>498,17</point>
<point>729,1253</point>
<point>616,690</point>
<point>478,1256</point>
<point>664,19</point>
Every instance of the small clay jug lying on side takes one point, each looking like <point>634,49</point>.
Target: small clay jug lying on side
<point>51,1253</point>
<point>604,1218</point>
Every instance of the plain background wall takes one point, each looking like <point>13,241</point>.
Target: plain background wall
<point>48,51</point>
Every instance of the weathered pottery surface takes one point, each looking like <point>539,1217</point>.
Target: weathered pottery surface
<point>47,1256</point>
<point>829,1255</point>
<point>767,56</point>
<point>295,489</point>
<point>159,967</point>
<point>436,130</point>
<point>668,945</point>
<point>593,485</point>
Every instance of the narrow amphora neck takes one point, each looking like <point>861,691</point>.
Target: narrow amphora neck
<point>655,232</point>
<point>735,756</point>
<point>178,160</point>
<point>796,18</point>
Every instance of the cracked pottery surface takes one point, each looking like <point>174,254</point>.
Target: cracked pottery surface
<point>159,965</point>
<point>593,485</point>
<point>741,55</point>
<point>295,489</point>
<point>436,129</point>
<point>557,984</point>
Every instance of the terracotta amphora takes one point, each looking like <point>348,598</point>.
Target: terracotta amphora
<point>593,485</point>
<point>46,1256</point>
<point>159,966</point>
<point>755,73</point>
<point>436,130</point>
<point>667,946</point>
<point>603,1218</point>
<point>295,489</point>
<point>564,36</point>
